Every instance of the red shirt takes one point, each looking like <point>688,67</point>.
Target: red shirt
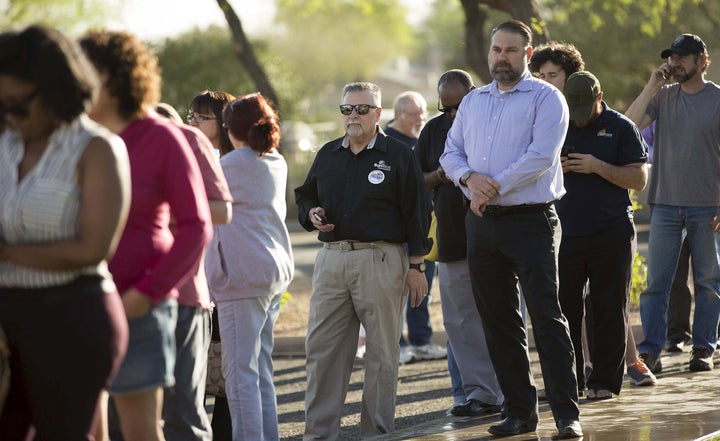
<point>195,291</point>
<point>165,176</point>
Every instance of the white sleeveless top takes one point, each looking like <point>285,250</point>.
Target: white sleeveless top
<point>44,205</point>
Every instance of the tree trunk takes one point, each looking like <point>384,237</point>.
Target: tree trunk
<point>476,44</point>
<point>246,55</point>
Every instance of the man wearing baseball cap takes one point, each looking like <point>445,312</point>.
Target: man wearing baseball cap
<point>598,241</point>
<point>684,195</point>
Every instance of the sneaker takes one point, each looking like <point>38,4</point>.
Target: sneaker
<point>407,354</point>
<point>430,351</point>
<point>701,360</point>
<point>640,375</point>
<point>652,362</point>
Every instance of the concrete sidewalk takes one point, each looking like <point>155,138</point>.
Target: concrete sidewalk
<point>682,406</point>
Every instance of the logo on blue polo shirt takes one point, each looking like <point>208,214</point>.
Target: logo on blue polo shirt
<point>382,166</point>
<point>603,134</point>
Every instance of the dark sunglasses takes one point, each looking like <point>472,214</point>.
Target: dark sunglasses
<point>21,109</point>
<point>448,109</point>
<point>361,109</point>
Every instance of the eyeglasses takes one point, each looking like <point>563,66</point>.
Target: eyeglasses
<point>198,117</point>
<point>21,109</point>
<point>448,109</point>
<point>361,109</point>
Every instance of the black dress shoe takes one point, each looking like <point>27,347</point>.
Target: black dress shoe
<point>568,429</point>
<point>474,407</point>
<point>513,426</point>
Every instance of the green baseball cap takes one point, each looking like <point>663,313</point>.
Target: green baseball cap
<point>581,91</point>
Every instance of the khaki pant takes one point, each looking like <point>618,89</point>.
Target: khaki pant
<point>350,288</point>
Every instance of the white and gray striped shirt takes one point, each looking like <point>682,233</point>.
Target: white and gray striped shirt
<point>44,205</point>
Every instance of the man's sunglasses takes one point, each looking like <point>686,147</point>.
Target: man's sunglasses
<point>448,109</point>
<point>361,109</point>
<point>21,109</point>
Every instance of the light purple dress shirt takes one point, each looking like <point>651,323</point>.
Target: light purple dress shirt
<point>514,137</point>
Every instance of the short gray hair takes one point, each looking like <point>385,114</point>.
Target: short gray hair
<point>373,88</point>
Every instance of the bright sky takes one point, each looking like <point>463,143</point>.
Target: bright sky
<point>154,19</point>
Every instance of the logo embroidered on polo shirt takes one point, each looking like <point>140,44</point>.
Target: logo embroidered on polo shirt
<point>382,166</point>
<point>376,177</point>
<point>603,134</point>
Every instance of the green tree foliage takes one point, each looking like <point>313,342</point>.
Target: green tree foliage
<point>331,41</point>
<point>621,40</point>
<point>203,59</point>
<point>71,16</point>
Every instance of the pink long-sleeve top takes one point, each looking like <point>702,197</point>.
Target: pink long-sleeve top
<point>165,178</point>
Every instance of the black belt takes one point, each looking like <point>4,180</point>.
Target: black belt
<point>502,210</point>
<point>348,245</point>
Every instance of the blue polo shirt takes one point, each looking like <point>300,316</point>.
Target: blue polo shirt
<point>593,204</point>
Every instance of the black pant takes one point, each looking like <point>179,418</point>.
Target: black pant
<point>680,300</point>
<point>501,250</point>
<point>605,259</point>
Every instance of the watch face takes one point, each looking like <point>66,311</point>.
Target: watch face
<point>422,267</point>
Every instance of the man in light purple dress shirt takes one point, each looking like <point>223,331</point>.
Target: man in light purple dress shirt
<point>503,151</point>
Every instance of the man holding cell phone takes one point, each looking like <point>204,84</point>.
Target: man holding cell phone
<point>684,193</point>
<point>365,195</point>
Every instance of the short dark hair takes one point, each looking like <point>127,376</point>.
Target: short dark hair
<point>66,82</point>
<point>457,76</point>
<point>131,67</point>
<point>562,54</point>
<point>253,119</point>
<point>213,102</point>
<point>517,27</point>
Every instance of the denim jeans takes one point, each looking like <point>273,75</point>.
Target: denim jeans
<point>668,225</point>
<point>418,319</point>
<point>183,405</point>
<point>455,379</point>
<point>246,329</point>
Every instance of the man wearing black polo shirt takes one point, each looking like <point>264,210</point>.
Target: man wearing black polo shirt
<point>603,157</point>
<point>365,195</point>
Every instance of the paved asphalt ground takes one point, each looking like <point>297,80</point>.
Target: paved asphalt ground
<point>683,406</point>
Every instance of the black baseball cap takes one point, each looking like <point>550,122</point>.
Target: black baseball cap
<point>685,44</point>
<point>581,90</point>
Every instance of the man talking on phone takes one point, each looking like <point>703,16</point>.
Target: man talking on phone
<point>684,195</point>
<point>365,194</point>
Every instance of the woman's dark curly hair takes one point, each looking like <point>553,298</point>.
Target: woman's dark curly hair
<point>254,120</point>
<point>133,75</point>
<point>66,82</point>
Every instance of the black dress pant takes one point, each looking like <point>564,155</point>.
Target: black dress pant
<point>503,249</point>
<point>605,259</point>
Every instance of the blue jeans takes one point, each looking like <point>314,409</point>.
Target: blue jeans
<point>455,379</point>
<point>418,319</point>
<point>246,329</point>
<point>183,405</point>
<point>668,226</point>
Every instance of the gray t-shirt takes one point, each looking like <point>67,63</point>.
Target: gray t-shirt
<point>686,160</point>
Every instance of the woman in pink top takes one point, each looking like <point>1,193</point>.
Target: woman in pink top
<point>151,261</point>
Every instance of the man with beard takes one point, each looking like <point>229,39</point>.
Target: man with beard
<point>503,151</point>
<point>365,194</point>
<point>684,195</point>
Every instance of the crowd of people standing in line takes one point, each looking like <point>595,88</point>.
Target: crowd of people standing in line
<point>108,209</point>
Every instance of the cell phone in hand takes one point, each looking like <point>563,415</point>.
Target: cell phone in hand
<point>322,219</point>
<point>566,150</point>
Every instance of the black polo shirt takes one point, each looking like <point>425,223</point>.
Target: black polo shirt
<point>593,204</point>
<point>375,195</point>
<point>449,202</point>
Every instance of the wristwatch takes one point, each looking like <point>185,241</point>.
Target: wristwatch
<point>418,266</point>
<point>465,177</point>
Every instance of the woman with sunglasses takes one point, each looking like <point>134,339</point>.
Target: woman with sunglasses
<point>151,260</point>
<point>64,199</point>
<point>249,265</point>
